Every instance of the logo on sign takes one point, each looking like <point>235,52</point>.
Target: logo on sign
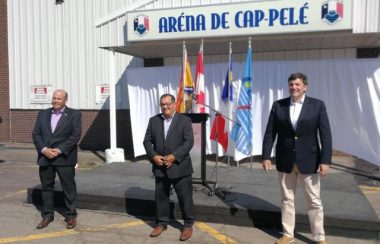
<point>332,11</point>
<point>141,25</point>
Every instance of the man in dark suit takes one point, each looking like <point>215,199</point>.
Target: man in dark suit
<point>168,141</point>
<point>55,135</point>
<point>303,151</point>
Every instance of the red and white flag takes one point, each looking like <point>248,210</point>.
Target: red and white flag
<point>200,84</point>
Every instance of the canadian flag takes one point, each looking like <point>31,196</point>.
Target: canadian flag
<point>221,126</point>
<point>218,132</point>
<point>200,84</point>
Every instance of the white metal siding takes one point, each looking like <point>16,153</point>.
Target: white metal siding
<point>56,45</point>
<point>366,16</point>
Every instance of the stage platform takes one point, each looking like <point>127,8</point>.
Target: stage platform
<point>253,197</point>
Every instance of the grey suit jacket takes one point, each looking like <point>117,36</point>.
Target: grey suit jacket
<point>65,137</point>
<point>179,141</point>
<point>300,146</point>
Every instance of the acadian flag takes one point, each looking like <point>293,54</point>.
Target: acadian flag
<point>185,88</point>
<point>242,130</point>
<point>227,93</point>
<point>220,127</point>
<point>200,84</point>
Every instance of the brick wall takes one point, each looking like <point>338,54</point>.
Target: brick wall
<point>95,129</point>
<point>4,73</point>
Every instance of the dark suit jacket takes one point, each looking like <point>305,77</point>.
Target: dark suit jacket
<point>65,137</point>
<point>179,141</point>
<point>300,146</point>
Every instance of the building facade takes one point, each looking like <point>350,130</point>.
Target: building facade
<point>45,45</point>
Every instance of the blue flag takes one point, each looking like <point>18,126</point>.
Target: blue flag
<point>242,130</point>
<point>227,89</point>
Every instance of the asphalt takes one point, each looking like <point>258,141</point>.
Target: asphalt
<point>350,193</point>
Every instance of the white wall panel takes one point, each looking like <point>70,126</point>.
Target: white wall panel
<point>56,45</point>
<point>366,16</point>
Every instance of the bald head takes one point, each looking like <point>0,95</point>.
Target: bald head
<point>59,99</point>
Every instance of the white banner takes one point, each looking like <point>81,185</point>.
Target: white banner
<point>251,18</point>
<point>349,88</point>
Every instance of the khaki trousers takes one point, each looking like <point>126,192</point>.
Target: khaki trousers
<point>311,187</point>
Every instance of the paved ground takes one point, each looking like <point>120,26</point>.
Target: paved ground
<point>18,171</point>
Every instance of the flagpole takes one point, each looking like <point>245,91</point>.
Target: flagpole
<point>250,162</point>
<point>217,152</point>
<point>217,147</point>
<point>229,89</point>
<point>201,47</point>
<point>184,60</point>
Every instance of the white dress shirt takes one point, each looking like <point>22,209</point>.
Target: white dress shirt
<point>167,123</point>
<point>295,110</point>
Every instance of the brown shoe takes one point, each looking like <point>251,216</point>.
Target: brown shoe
<point>158,230</point>
<point>285,240</point>
<point>45,222</point>
<point>186,233</point>
<point>71,223</point>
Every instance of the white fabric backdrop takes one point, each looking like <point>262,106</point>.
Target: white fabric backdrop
<point>350,89</point>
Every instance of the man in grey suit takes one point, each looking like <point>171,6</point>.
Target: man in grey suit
<point>55,136</point>
<point>303,151</point>
<point>168,141</point>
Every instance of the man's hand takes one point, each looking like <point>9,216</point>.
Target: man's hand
<point>51,152</point>
<point>324,169</point>
<point>169,160</point>
<point>267,165</point>
<point>159,160</point>
<point>55,151</point>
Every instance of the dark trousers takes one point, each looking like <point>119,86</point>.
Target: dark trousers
<point>184,190</point>
<point>66,176</point>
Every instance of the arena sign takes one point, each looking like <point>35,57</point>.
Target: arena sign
<point>253,18</point>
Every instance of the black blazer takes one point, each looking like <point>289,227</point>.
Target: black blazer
<point>179,141</point>
<point>65,137</point>
<point>300,146</point>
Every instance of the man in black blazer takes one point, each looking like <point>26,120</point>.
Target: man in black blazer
<point>56,135</point>
<point>303,151</point>
<point>168,141</point>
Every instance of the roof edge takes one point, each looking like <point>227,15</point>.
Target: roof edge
<point>121,12</point>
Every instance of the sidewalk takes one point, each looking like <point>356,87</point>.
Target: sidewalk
<point>365,174</point>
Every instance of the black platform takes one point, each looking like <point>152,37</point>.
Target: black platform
<point>253,199</point>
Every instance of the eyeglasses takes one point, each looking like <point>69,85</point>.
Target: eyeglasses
<point>165,104</point>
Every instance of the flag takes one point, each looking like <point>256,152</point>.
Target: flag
<point>242,130</point>
<point>200,84</point>
<point>227,93</point>
<point>220,127</point>
<point>218,133</point>
<point>185,88</point>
